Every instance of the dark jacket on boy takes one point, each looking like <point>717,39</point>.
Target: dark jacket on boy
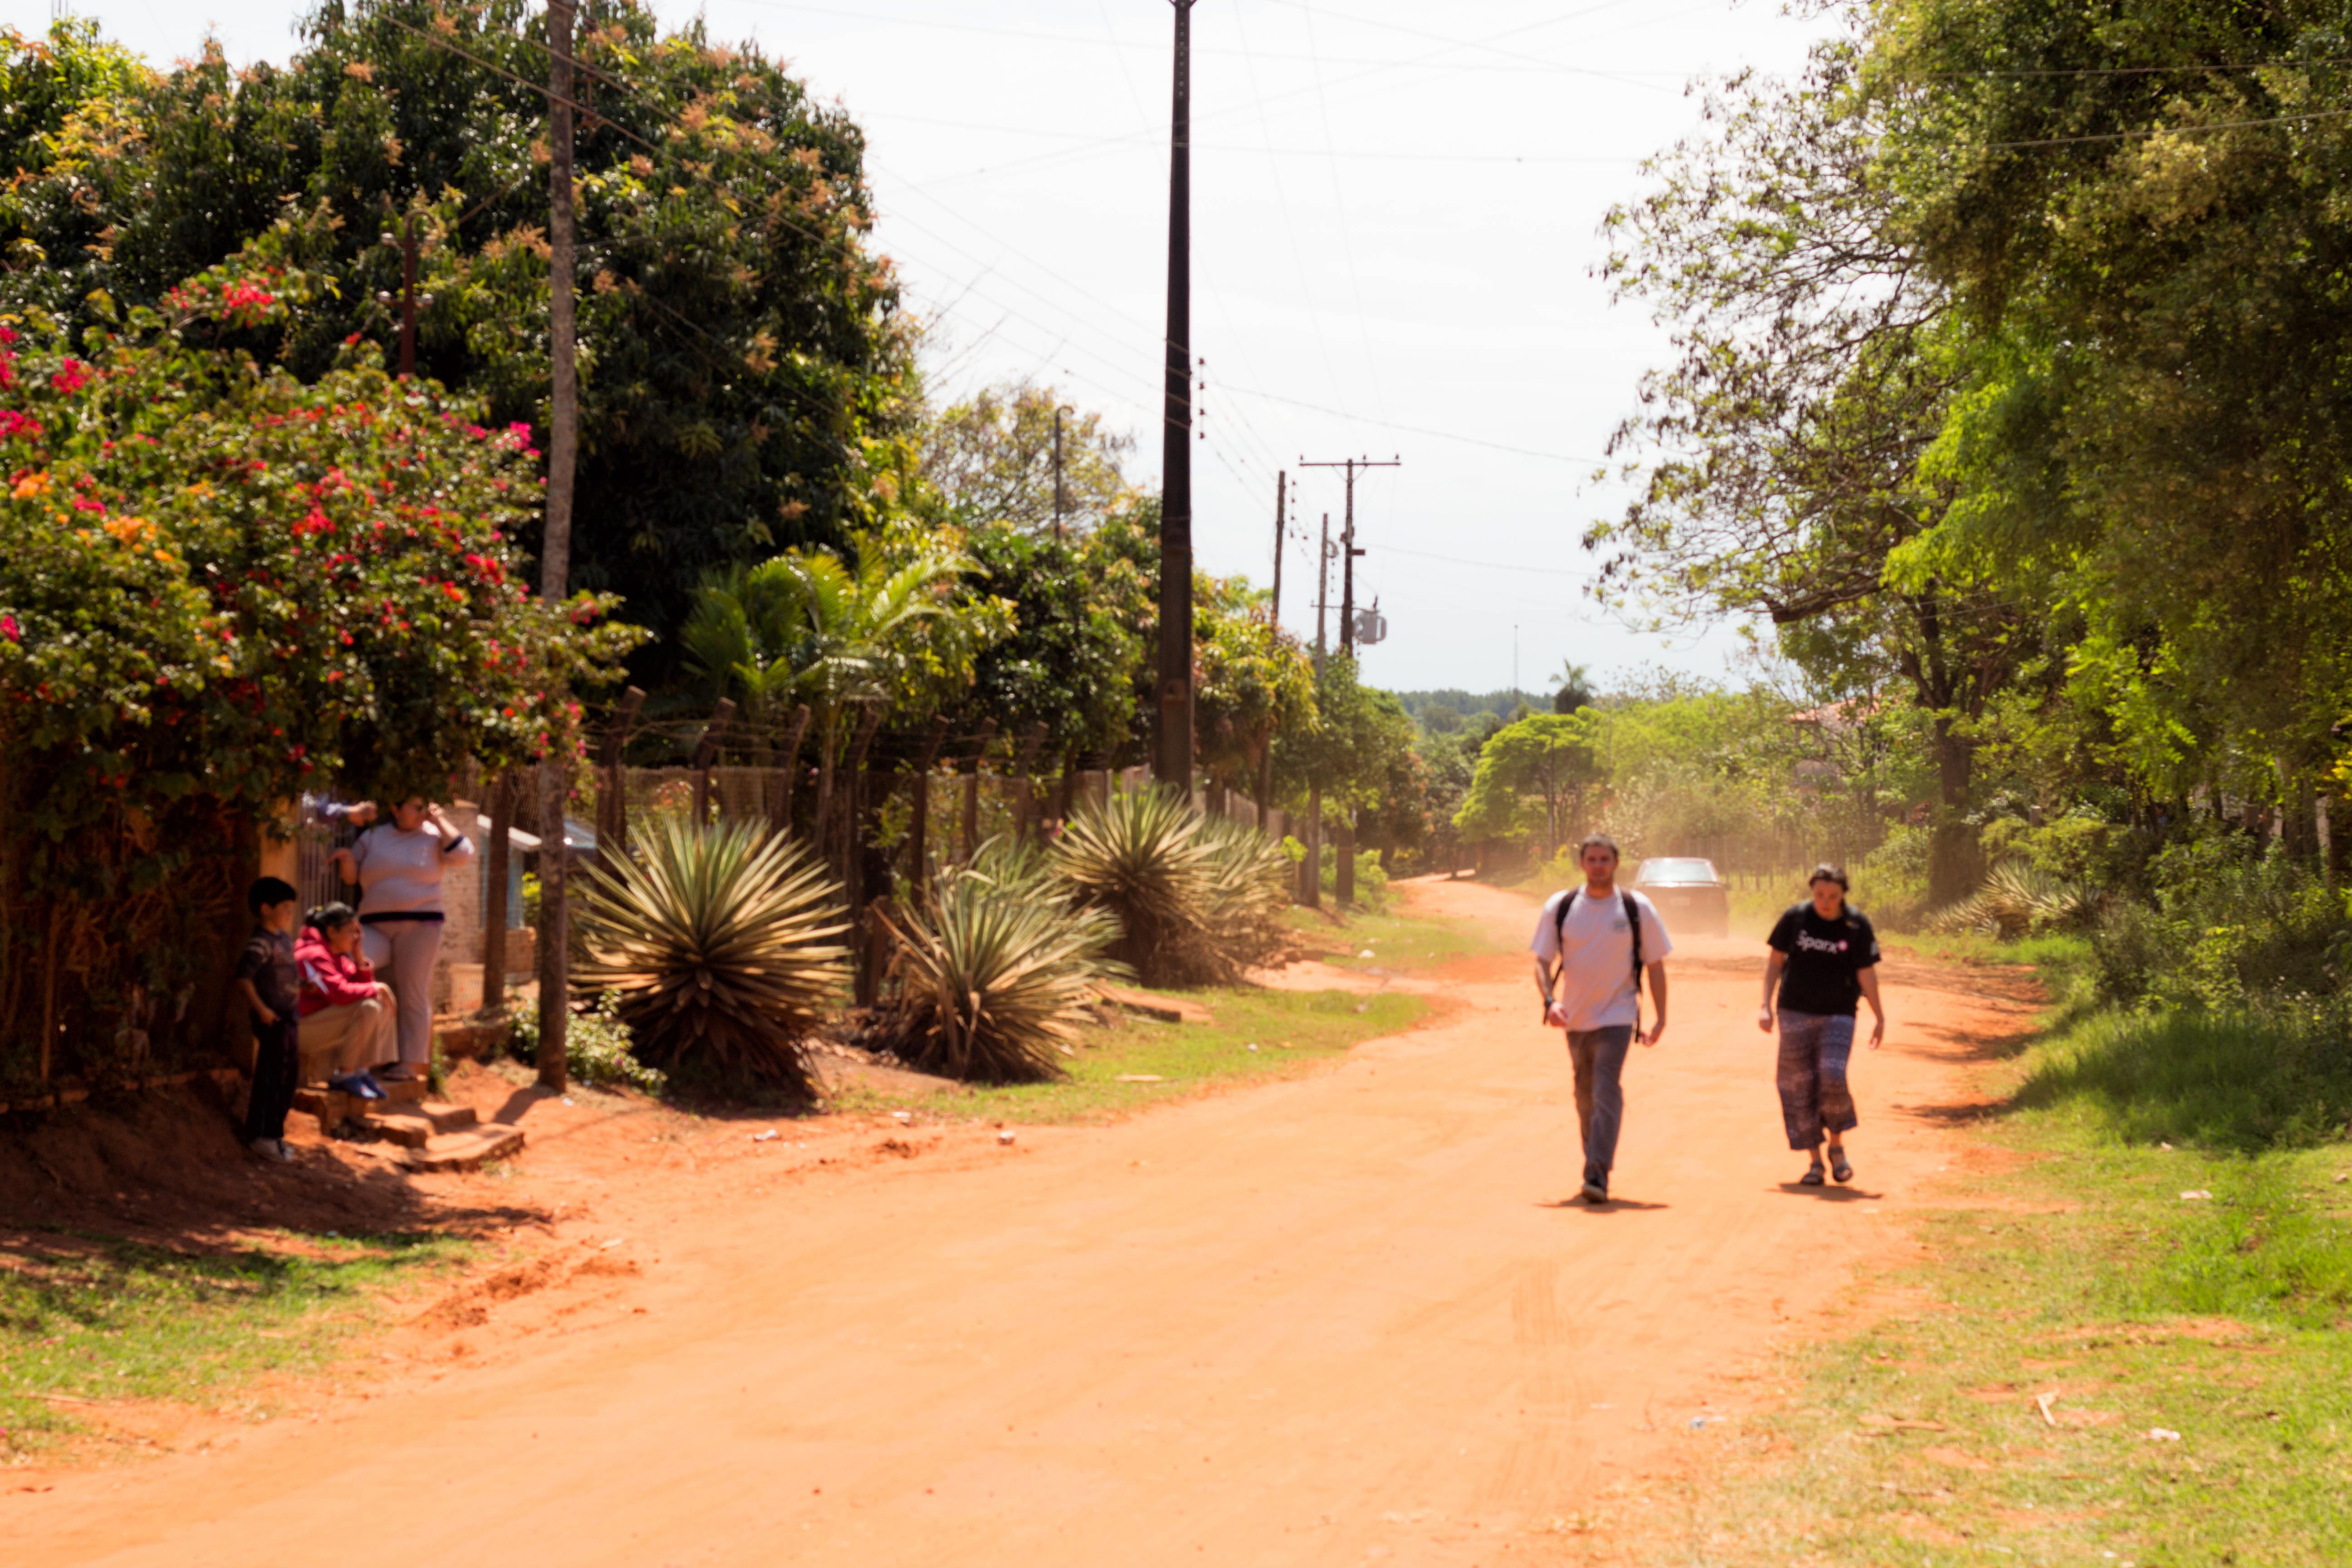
<point>267,962</point>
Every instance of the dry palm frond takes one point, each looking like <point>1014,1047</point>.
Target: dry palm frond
<point>2015,901</point>
<point>996,979</point>
<point>724,946</point>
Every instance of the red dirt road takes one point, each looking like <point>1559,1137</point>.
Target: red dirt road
<point>1340,1317</point>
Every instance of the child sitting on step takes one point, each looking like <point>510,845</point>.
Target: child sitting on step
<point>347,1012</point>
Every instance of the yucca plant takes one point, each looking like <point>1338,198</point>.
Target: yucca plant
<point>1249,889</point>
<point>1141,856</point>
<point>723,946</point>
<point>1197,897</point>
<point>996,972</point>
<point>2016,899</point>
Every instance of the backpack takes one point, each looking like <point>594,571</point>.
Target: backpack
<point>1632,923</point>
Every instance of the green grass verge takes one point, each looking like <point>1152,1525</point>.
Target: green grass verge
<point>96,1319</point>
<point>1290,1029</point>
<point>2203,1290</point>
<point>1395,940</point>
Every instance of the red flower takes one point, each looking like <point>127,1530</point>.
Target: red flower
<point>71,377</point>
<point>8,623</point>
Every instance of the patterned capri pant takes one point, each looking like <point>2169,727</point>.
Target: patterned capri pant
<point>1814,1098</point>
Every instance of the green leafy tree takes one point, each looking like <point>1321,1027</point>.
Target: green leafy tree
<point>1069,660</point>
<point>1554,757</point>
<point>1781,450</point>
<point>992,459</point>
<point>1250,681</point>
<point>224,586</point>
<point>2152,261</point>
<point>733,320</point>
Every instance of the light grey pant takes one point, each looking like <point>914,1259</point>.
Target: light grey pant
<point>346,1039</point>
<point>405,951</point>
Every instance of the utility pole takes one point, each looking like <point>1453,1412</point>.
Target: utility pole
<point>555,545</point>
<point>1281,494</point>
<point>1173,764</point>
<point>1348,544</point>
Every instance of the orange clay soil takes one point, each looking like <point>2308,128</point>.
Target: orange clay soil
<point>1343,1317</point>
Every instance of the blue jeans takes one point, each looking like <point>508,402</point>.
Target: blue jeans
<point>1599,1058</point>
<point>1815,1049</point>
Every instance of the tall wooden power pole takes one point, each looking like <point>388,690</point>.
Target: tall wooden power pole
<point>1281,494</point>
<point>1172,764</point>
<point>555,546</point>
<point>1348,544</point>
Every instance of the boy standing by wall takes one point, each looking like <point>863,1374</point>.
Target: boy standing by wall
<point>266,981</point>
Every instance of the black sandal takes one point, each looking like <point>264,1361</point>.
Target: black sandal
<point>1840,1167</point>
<point>1813,1176</point>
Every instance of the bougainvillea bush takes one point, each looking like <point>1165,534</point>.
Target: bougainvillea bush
<point>221,586</point>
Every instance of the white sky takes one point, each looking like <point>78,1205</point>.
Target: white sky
<point>1395,216</point>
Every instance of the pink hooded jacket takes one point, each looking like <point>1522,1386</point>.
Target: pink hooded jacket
<point>330,980</point>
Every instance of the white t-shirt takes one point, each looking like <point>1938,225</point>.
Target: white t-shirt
<point>400,873</point>
<point>1596,963</point>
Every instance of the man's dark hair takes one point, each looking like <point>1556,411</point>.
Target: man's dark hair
<point>1825,872</point>
<point>1603,840</point>
<point>269,891</point>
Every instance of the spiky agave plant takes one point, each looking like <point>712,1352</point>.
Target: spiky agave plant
<point>723,946</point>
<point>2015,899</point>
<point>1141,856</point>
<point>1248,889</point>
<point>996,974</point>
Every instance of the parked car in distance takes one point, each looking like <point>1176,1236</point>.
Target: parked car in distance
<point>1689,896</point>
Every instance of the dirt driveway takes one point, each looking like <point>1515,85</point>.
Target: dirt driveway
<point>1342,1318</point>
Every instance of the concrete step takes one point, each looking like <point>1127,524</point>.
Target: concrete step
<point>466,1150</point>
<point>413,1124</point>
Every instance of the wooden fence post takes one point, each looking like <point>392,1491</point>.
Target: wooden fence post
<point>970,769</point>
<point>494,889</point>
<point>706,752</point>
<point>918,813</point>
<point>1024,797</point>
<point>613,777</point>
<point>857,801</point>
<point>780,807</point>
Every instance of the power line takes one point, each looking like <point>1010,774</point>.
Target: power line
<point>1490,566</point>
<point>1412,429</point>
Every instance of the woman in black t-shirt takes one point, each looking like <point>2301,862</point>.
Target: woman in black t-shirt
<point>1824,960</point>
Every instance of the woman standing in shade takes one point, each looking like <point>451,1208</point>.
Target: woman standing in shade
<point>398,866</point>
<point>1824,961</point>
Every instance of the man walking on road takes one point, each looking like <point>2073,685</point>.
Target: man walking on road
<point>1593,945</point>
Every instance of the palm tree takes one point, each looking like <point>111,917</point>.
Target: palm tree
<point>1571,688</point>
<point>806,626</point>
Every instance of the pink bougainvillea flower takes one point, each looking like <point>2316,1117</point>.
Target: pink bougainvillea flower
<point>71,377</point>
<point>8,623</point>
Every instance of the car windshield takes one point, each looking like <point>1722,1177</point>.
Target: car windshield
<point>1657,871</point>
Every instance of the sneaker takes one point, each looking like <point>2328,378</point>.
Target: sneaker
<point>285,1152</point>
<point>267,1149</point>
<point>364,1085</point>
<point>1596,1190</point>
